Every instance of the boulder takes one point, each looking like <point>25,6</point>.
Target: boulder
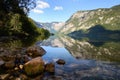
<point>35,51</point>
<point>34,66</point>
<point>50,67</point>
<point>61,62</point>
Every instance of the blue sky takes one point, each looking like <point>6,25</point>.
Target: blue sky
<point>61,10</point>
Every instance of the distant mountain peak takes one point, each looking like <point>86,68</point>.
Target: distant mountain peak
<point>52,27</point>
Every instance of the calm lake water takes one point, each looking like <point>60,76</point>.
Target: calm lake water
<point>84,60</point>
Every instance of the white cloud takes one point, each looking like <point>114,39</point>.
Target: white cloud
<point>38,11</point>
<point>42,5</point>
<point>58,8</point>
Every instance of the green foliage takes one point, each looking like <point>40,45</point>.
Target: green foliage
<point>27,26</point>
<point>30,28</point>
<point>14,21</point>
<point>17,6</point>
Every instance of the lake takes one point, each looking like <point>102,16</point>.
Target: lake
<point>84,59</point>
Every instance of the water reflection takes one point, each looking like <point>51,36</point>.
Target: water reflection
<point>15,45</point>
<point>109,51</point>
<point>84,60</point>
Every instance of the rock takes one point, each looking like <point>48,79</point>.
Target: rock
<point>50,67</point>
<point>35,51</point>
<point>18,56</point>
<point>18,59</point>
<point>34,66</point>
<point>9,64</point>
<point>21,66</point>
<point>21,59</point>
<point>61,62</point>
<point>16,68</point>
<point>18,78</point>
<point>39,77</point>
<point>1,62</point>
<point>53,78</point>
<point>23,77</point>
<point>26,58</point>
<point>1,50</point>
<point>4,76</point>
<point>15,73</point>
<point>58,78</point>
<point>8,57</point>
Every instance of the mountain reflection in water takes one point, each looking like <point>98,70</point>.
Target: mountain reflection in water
<point>109,51</point>
<point>84,60</point>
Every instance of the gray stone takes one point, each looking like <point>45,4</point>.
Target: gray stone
<point>35,51</point>
<point>61,62</point>
<point>50,67</point>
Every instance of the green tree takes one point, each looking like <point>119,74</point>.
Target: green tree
<point>11,12</point>
<point>14,20</point>
<point>15,23</point>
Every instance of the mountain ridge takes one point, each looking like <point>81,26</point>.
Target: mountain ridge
<point>83,20</point>
<point>53,27</point>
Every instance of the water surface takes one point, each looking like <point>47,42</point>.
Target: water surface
<point>84,60</point>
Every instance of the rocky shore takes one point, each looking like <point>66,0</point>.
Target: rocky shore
<point>26,64</point>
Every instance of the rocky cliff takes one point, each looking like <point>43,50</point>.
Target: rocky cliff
<point>84,20</point>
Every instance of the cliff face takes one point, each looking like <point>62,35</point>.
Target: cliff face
<point>84,20</point>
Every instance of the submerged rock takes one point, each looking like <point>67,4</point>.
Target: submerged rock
<point>35,51</point>
<point>53,78</point>
<point>34,66</point>
<point>50,67</point>
<point>61,62</point>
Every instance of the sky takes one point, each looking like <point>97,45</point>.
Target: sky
<point>62,10</point>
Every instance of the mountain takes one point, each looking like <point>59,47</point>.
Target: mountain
<point>97,33</point>
<point>38,24</point>
<point>52,27</point>
<point>108,18</point>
